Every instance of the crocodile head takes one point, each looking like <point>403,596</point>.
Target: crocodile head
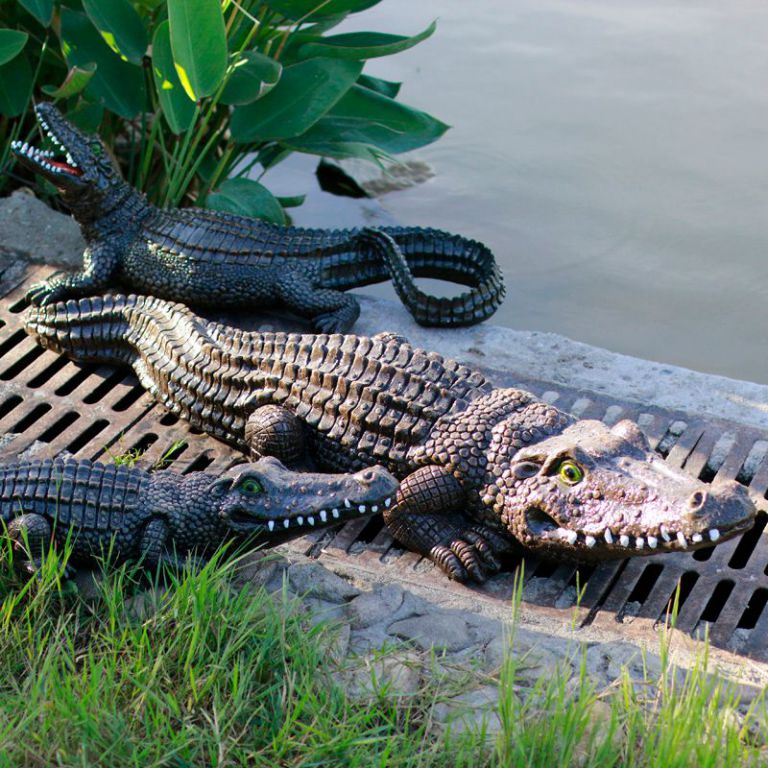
<point>270,503</point>
<point>594,493</point>
<point>76,163</point>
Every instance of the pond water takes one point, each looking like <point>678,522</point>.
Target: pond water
<point>612,154</point>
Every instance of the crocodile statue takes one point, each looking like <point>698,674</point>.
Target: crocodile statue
<point>209,258</point>
<point>482,469</point>
<point>165,517</point>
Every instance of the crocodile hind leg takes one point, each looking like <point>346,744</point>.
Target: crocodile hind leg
<point>272,430</point>
<point>330,311</point>
<point>30,535</point>
<point>99,265</point>
<point>427,517</point>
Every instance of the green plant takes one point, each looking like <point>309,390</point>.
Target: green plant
<point>192,95</point>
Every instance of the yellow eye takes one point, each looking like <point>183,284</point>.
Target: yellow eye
<point>570,472</point>
<point>251,487</point>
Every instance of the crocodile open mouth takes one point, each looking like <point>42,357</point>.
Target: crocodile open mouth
<point>55,161</point>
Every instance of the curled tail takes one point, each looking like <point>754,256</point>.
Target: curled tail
<point>410,253</point>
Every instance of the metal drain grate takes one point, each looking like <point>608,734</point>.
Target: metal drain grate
<point>93,411</point>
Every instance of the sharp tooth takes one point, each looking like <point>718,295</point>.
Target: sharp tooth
<point>624,540</point>
<point>375,508</point>
<point>570,536</point>
<point>387,502</point>
<point>347,503</point>
<point>664,533</point>
<point>714,534</point>
<point>608,536</point>
<point>323,515</point>
<point>70,159</point>
<point>271,525</point>
<point>25,147</point>
<point>697,537</point>
<point>681,538</point>
<point>590,541</point>
<point>362,509</point>
<point>335,513</point>
<point>286,522</point>
<point>639,542</point>
<point>300,520</point>
<point>311,520</point>
<point>653,542</point>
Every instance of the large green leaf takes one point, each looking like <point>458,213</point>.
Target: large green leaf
<point>42,10</point>
<point>199,44</point>
<point>385,87</point>
<point>179,111</point>
<point>15,86</point>
<point>311,10</point>
<point>120,26</point>
<point>247,197</point>
<point>362,45</point>
<point>366,118</point>
<point>306,91</point>
<point>117,84</point>
<point>77,78</point>
<point>12,41</point>
<point>255,76</point>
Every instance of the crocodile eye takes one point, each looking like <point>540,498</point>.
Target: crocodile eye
<point>251,487</point>
<point>570,472</point>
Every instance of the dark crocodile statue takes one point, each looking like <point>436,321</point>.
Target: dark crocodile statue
<point>481,468</point>
<point>165,517</point>
<point>208,258</point>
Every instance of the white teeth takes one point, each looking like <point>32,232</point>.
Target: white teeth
<point>375,508</point>
<point>608,536</point>
<point>624,540</point>
<point>323,515</point>
<point>362,509</point>
<point>664,533</point>
<point>286,522</point>
<point>639,542</point>
<point>714,534</point>
<point>697,537</point>
<point>271,525</point>
<point>25,147</point>
<point>681,538</point>
<point>311,520</point>
<point>335,513</point>
<point>347,503</point>
<point>571,536</point>
<point>590,541</point>
<point>300,520</point>
<point>387,502</point>
<point>653,542</point>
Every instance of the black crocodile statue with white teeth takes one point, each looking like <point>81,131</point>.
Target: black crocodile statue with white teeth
<point>164,517</point>
<point>209,258</point>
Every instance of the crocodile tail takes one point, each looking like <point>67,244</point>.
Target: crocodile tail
<point>410,253</point>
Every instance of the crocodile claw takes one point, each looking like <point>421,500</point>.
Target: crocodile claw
<point>468,557</point>
<point>330,322</point>
<point>46,292</point>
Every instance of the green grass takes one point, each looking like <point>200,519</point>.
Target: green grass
<point>209,674</point>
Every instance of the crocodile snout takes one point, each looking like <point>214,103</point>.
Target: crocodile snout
<point>725,504</point>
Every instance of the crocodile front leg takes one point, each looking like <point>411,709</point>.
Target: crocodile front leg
<point>428,517</point>
<point>100,263</point>
<point>330,311</point>
<point>30,535</point>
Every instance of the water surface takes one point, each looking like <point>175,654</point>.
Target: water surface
<point>612,154</point>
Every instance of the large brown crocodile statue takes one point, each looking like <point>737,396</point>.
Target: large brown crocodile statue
<point>481,469</point>
<point>209,258</point>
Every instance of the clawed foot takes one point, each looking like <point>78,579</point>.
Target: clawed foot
<point>331,322</point>
<point>46,292</point>
<point>470,555</point>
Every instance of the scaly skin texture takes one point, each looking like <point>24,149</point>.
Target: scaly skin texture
<point>207,258</point>
<point>482,469</point>
<point>164,517</point>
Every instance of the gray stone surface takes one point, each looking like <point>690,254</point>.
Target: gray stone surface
<point>313,580</point>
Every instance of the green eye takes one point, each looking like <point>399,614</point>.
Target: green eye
<point>251,487</point>
<point>570,472</point>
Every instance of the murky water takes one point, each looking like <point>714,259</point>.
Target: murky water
<point>613,153</point>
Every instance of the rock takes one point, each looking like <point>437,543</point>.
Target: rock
<point>30,227</point>
<point>372,607</point>
<point>257,569</point>
<point>397,674</point>
<point>313,579</point>
<point>476,710</point>
<point>441,630</point>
